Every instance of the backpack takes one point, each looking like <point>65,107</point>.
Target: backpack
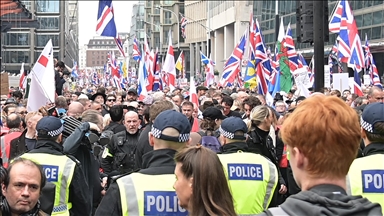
<point>210,142</point>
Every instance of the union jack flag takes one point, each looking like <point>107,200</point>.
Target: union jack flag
<point>357,83</point>
<point>263,63</point>
<point>119,45</point>
<point>136,54</point>
<point>292,55</point>
<point>371,66</point>
<point>183,23</point>
<point>233,64</point>
<point>343,23</point>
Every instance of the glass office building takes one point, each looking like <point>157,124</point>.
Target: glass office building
<point>369,16</point>
<point>58,21</point>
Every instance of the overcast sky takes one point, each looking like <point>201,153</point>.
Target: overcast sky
<point>88,17</point>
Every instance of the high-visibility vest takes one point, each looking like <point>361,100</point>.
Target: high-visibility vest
<point>366,178</point>
<point>59,170</point>
<point>5,146</point>
<point>142,194</point>
<point>252,179</point>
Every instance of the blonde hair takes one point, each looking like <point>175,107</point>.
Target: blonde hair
<point>257,116</point>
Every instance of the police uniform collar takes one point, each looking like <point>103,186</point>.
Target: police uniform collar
<point>234,147</point>
<point>373,148</point>
<point>159,158</point>
<point>49,144</point>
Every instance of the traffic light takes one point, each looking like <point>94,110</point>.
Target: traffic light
<point>304,21</point>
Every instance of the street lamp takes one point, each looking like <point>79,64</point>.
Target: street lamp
<point>178,24</point>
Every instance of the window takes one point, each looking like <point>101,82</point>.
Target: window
<point>359,21</point>
<point>41,40</point>
<point>367,19</point>
<point>49,6</point>
<point>16,57</point>
<point>48,22</point>
<point>167,17</point>
<point>16,39</point>
<point>167,2</point>
<point>378,17</point>
<point>376,32</point>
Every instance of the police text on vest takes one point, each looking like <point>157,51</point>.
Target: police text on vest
<point>373,181</point>
<point>51,172</point>
<point>162,203</point>
<point>245,172</point>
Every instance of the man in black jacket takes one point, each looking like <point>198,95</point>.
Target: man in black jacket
<point>119,155</point>
<point>116,113</point>
<point>49,153</point>
<point>143,145</point>
<point>169,133</point>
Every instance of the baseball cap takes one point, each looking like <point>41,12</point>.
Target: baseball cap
<point>171,119</point>
<point>132,90</point>
<point>213,113</point>
<point>49,127</point>
<point>372,114</point>
<point>226,92</point>
<point>231,125</point>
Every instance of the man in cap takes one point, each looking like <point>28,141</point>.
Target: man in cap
<point>65,172</point>
<point>131,95</point>
<point>252,177</point>
<point>366,174</point>
<point>150,190</point>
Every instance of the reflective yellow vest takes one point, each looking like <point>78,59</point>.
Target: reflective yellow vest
<point>142,194</point>
<point>59,170</point>
<point>252,179</point>
<point>366,178</point>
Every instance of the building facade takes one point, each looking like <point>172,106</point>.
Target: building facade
<point>98,48</point>
<point>83,57</point>
<point>369,16</point>
<point>58,22</point>
<point>160,18</point>
<point>136,30</point>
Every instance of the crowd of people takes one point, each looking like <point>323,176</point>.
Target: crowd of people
<point>163,155</point>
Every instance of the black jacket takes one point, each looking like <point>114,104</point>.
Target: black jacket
<point>115,127</point>
<point>156,162</point>
<point>74,145</point>
<point>122,148</point>
<point>143,146</point>
<point>78,193</point>
<point>373,148</point>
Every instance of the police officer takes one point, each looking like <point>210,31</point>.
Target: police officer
<point>72,197</point>
<point>366,174</point>
<point>119,155</point>
<point>150,190</point>
<point>252,177</point>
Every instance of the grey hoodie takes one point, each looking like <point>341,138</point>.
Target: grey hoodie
<point>327,200</point>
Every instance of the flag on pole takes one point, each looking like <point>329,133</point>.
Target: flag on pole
<point>23,77</point>
<point>105,19</point>
<point>169,65</point>
<point>180,62</point>
<point>119,45</point>
<point>75,69</point>
<point>136,54</point>
<point>42,88</point>
<point>357,83</point>
<point>142,87</point>
<point>183,23</point>
<point>285,72</point>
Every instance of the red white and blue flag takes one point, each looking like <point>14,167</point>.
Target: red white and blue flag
<point>119,45</point>
<point>371,65</point>
<point>136,54</point>
<point>357,83</point>
<point>343,23</point>
<point>105,19</point>
<point>233,65</point>
<point>183,23</point>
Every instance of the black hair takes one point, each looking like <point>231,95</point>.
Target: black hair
<point>17,94</point>
<point>227,100</point>
<point>116,113</point>
<point>13,121</point>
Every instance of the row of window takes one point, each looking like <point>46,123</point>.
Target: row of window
<point>17,57</point>
<point>23,39</point>
<point>47,6</point>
